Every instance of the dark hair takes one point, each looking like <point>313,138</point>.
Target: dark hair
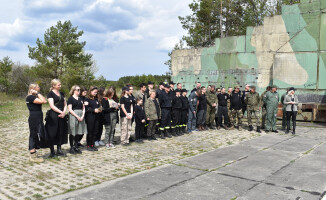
<point>138,99</point>
<point>82,89</point>
<point>202,87</point>
<point>100,94</point>
<point>89,92</point>
<point>115,96</point>
<point>198,92</point>
<point>142,85</point>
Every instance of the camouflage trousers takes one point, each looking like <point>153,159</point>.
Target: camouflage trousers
<point>256,113</point>
<point>210,115</point>
<point>236,114</point>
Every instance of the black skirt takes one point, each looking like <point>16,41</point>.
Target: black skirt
<point>56,128</point>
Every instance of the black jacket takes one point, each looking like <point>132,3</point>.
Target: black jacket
<point>236,101</point>
<point>202,102</point>
<point>165,100</point>
<point>223,99</point>
<point>140,113</point>
<point>185,103</point>
<point>106,111</point>
<point>176,102</point>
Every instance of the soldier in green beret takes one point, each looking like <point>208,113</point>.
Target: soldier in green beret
<point>253,101</point>
<point>271,100</point>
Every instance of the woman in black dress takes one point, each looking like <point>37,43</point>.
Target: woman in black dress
<point>34,101</point>
<point>83,93</point>
<point>92,117</point>
<point>100,95</point>
<point>56,122</point>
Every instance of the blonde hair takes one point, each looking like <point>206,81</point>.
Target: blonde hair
<point>151,91</point>
<point>31,87</point>
<point>54,82</point>
<point>109,92</point>
<point>73,88</point>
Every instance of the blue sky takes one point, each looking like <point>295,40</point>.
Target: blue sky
<point>126,37</point>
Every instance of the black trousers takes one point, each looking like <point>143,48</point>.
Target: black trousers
<point>291,115</point>
<point>139,129</point>
<point>166,118</point>
<point>92,121</point>
<point>244,108</point>
<point>176,118</point>
<point>36,126</point>
<point>100,127</point>
<point>222,112</point>
<point>184,117</point>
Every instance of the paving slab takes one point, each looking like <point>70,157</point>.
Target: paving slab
<point>136,186</point>
<point>219,157</point>
<point>208,186</point>
<point>320,150</point>
<point>269,192</point>
<point>259,166</point>
<point>266,141</point>
<point>307,173</point>
<point>297,144</point>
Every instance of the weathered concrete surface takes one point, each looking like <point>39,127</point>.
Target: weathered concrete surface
<point>262,168</point>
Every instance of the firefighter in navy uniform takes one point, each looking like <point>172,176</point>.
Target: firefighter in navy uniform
<point>166,105</point>
<point>172,91</point>
<point>176,113</point>
<point>184,112</point>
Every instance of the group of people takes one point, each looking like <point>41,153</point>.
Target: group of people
<point>164,111</point>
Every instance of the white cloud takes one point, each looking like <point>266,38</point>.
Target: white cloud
<point>8,31</point>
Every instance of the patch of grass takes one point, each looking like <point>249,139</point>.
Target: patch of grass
<point>37,196</point>
<point>234,198</point>
<point>229,142</point>
<point>307,152</point>
<point>44,175</point>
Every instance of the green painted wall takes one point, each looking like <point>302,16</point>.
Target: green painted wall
<point>287,50</point>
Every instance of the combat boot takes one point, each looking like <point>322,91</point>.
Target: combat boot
<point>161,134</point>
<point>258,129</point>
<point>240,128</point>
<point>180,131</point>
<point>176,129</point>
<point>250,128</point>
<point>173,133</point>
<point>184,130</point>
<point>33,157</point>
<point>168,133</point>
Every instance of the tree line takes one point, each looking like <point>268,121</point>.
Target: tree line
<point>60,54</point>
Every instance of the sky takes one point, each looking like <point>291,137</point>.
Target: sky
<point>126,37</point>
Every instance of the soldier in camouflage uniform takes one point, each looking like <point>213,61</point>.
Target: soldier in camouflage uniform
<point>253,102</point>
<point>211,100</point>
<point>263,109</point>
<point>236,107</point>
<point>271,100</point>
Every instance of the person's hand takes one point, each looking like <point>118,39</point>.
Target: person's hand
<point>147,119</point>
<point>34,92</point>
<point>143,121</point>
<point>96,110</point>
<point>61,115</point>
<point>194,112</point>
<point>259,108</point>
<point>81,118</point>
<point>86,103</point>
<point>214,105</point>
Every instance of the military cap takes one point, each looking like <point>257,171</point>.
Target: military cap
<point>172,83</point>
<point>167,86</point>
<point>177,90</point>
<point>150,83</point>
<point>161,83</point>
<point>274,86</point>
<point>253,87</point>
<point>291,88</point>
<point>184,90</point>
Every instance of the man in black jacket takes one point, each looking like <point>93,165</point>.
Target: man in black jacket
<point>166,105</point>
<point>222,109</point>
<point>236,108</point>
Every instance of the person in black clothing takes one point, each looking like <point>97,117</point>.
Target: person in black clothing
<point>34,101</point>
<point>236,107</point>
<point>100,95</point>
<point>126,114</point>
<point>172,91</point>
<point>222,109</point>
<point>150,86</point>
<point>76,122</point>
<point>184,112</point>
<point>176,113</point>
<point>83,93</point>
<point>133,98</point>
<point>159,91</point>
<point>92,117</point>
<point>140,120</point>
<point>218,91</point>
<point>166,105</point>
<point>56,122</point>
<point>244,93</point>
<point>202,110</point>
